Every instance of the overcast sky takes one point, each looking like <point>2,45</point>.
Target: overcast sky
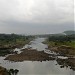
<point>36,16</point>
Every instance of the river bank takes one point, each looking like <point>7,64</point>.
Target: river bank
<point>5,50</point>
<point>67,52</point>
<point>8,42</point>
<point>36,67</point>
<point>30,55</point>
<point>64,45</point>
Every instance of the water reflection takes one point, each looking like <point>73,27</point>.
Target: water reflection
<point>38,68</point>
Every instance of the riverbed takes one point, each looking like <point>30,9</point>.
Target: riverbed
<point>36,67</point>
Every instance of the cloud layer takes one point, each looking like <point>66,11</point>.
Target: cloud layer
<point>38,12</point>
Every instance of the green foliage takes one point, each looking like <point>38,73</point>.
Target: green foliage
<point>64,45</point>
<point>62,38</point>
<point>68,40</point>
<point>70,32</point>
<point>11,39</point>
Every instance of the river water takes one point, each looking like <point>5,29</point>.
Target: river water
<point>36,67</point>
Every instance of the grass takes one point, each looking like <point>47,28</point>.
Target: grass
<point>67,43</point>
<point>72,44</point>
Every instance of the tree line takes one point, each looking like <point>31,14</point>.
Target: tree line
<point>12,38</point>
<point>62,38</point>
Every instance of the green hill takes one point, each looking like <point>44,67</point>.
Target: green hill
<point>69,32</point>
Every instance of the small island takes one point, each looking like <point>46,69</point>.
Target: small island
<point>30,55</point>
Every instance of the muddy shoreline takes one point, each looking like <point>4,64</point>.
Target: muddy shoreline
<point>30,55</point>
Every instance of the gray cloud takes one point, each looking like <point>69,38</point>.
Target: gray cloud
<point>36,16</point>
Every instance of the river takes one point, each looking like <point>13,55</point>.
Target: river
<point>36,67</point>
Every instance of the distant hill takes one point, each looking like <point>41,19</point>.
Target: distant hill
<point>69,32</point>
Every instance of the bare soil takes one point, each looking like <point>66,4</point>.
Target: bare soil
<point>29,55</point>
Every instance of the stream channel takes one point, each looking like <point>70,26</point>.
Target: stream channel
<point>37,67</point>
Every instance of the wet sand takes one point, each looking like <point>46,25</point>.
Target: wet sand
<point>29,55</point>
